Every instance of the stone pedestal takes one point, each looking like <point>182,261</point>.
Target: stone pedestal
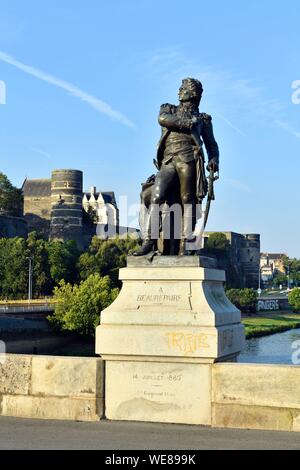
<point>171,321</point>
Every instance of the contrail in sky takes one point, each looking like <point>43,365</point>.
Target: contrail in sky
<point>73,90</point>
<point>230,124</point>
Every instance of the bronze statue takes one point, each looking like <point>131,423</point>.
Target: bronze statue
<point>181,163</point>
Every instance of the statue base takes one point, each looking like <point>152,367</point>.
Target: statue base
<point>171,321</point>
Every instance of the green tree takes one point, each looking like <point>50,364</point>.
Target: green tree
<point>244,299</point>
<point>280,280</point>
<point>78,307</point>
<point>63,258</point>
<point>51,261</point>
<point>106,257</point>
<point>37,250</point>
<point>218,242</point>
<point>13,268</point>
<point>11,198</point>
<point>294,299</point>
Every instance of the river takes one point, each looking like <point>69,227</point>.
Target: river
<point>275,349</point>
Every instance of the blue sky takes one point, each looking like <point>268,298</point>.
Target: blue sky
<point>84,82</point>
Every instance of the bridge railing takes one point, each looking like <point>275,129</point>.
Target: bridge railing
<point>26,307</point>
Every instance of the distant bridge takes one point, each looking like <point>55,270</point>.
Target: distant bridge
<point>26,308</point>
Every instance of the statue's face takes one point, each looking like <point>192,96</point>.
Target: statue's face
<point>184,93</point>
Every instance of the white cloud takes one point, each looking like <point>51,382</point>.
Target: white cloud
<point>73,90</point>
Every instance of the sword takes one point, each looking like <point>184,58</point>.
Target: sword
<point>210,197</point>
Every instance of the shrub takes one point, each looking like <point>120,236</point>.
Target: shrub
<point>294,299</point>
<point>78,307</point>
<point>244,299</point>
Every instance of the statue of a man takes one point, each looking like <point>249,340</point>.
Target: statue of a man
<point>180,160</point>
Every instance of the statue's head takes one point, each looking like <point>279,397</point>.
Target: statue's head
<point>191,90</point>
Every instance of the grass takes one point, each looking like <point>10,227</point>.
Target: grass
<point>270,324</point>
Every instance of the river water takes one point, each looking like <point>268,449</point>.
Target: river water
<point>282,348</point>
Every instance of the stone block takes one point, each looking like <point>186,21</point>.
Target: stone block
<point>296,421</point>
<point>76,409</point>
<point>252,417</point>
<point>172,261</point>
<point>177,274</point>
<point>257,385</point>
<point>158,392</point>
<point>67,377</point>
<point>15,375</point>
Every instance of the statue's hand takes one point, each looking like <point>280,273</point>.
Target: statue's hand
<point>213,165</point>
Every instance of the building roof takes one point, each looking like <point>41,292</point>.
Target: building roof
<point>37,188</point>
<point>108,197</point>
<point>278,256</point>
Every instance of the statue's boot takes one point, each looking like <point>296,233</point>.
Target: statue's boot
<point>188,237</point>
<point>150,217</point>
<point>147,247</point>
<point>184,247</point>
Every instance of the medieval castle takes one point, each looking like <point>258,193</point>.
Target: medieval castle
<point>59,209</point>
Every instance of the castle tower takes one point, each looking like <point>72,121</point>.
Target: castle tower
<point>250,259</point>
<point>66,205</point>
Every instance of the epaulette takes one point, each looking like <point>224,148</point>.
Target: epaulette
<point>206,117</point>
<point>168,108</point>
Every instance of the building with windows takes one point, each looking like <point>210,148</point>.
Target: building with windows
<point>271,264</point>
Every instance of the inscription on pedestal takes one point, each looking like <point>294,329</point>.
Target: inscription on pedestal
<point>160,298</point>
<point>158,392</point>
<point>155,385</point>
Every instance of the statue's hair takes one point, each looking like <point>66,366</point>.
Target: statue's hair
<point>195,87</point>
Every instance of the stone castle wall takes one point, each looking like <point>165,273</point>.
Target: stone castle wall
<point>66,205</point>
<point>244,257</point>
<point>11,227</point>
<point>40,206</point>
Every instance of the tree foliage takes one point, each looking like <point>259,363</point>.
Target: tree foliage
<point>11,198</point>
<point>106,257</point>
<point>294,299</point>
<point>51,262</point>
<point>78,307</point>
<point>292,272</point>
<point>244,299</point>
<point>56,261</point>
<point>217,242</point>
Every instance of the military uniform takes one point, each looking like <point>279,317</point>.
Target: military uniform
<point>180,157</point>
<point>181,165</point>
<point>180,150</point>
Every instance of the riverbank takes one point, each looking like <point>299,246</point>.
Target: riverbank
<point>270,323</point>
